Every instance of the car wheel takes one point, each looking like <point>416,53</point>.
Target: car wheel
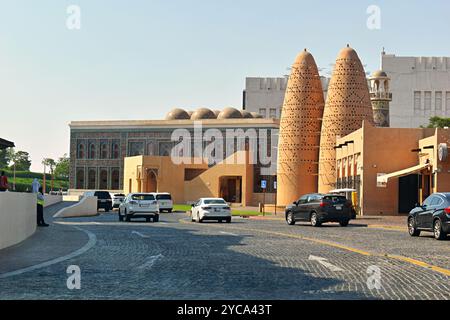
<point>412,230</point>
<point>290,220</point>
<point>315,220</point>
<point>344,223</point>
<point>169,211</point>
<point>229,220</point>
<point>127,217</point>
<point>437,229</point>
<point>198,219</point>
<point>120,216</point>
<point>156,218</point>
<point>148,219</point>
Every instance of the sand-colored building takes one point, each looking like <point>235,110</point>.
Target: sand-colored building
<point>392,169</point>
<point>348,104</point>
<point>230,179</point>
<point>298,146</point>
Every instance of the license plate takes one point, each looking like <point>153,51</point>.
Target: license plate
<point>338,207</point>
<point>102,201</point>
<point>144,205</point>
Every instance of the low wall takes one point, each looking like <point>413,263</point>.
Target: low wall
<point>51,200</point>
<point>17,217</point>
<point>87,207</point>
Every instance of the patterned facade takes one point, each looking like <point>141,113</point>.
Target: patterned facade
<point>298,147</point>
<point>348,104</point>
<point>98,148</point>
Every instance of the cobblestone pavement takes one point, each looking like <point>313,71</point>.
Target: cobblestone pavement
<point>247,259</point>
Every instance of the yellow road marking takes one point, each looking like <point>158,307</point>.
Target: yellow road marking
<point>344,247</point>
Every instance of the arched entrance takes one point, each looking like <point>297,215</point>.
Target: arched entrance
<point>152,181</point>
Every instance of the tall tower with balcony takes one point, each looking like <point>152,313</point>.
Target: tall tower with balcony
<point>381,97</point>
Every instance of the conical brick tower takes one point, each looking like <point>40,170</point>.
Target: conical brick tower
<point>298,146</point>
<point>348,104</point>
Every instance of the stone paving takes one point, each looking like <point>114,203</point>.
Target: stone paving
<point>247,259</point>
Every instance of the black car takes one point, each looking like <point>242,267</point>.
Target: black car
<point>433,215</point>
<point>104,200</point>
<point>320,208</point>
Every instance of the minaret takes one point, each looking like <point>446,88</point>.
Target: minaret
<point>380,96</point>
<point>298,146</point>
<point>348,104</point>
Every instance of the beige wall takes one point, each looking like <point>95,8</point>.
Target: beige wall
<point>52,199</point>
<point>383,150</point>
<point>17,217</point>
<point>171,177</point>
<point>87,207</point>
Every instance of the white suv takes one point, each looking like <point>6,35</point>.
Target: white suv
<point>211,209</point>
<point>165,202</point>
<point>139,205</point>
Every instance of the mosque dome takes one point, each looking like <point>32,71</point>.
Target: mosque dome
<point>216,112</point>
<point>203,114</point>
<point>230,113</point>
<point>256,115</point>
<point>246,115</point>
<point>379,74</point>
<point>177,114</point>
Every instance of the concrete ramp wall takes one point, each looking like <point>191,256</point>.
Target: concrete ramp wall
<point>17,217</point>
<point>87,207</point>
<point>51,200</point>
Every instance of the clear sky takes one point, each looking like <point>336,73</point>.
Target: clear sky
<point>138,59</point>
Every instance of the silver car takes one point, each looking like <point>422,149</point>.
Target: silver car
<point>139,205</point>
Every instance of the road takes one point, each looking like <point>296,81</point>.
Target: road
<point>247,259</point>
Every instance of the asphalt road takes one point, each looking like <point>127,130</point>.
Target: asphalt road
<point>247,259</point>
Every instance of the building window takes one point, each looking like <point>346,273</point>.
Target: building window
<point>115,180</point>
<point>427,100</point>
<point>81,151</point>
<point>80,178</point>
<point>150,148</point>
<point>272,113</point>
<point>447,101</point>
<point>417,100</point>
<point>92,179</point>
<point>438,100</point>
<point>104,179</point>
<point>104,150</point>
<point>135,149</point>
<point>92,151</point>
<point>262,111</point>
<point>115,150</point>
<point>165,149</point>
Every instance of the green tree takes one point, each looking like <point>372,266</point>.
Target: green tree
<point>439,122</point>
<point>4,160</point>
<point>22,161</point>
<point>62,167</point>
<point>51,164</point>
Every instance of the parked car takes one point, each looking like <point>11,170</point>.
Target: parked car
<point>211,209</point>
<point>433,215</point>
<point>320,208</point>
<point>165,202</point>
<point>104,200</point>
<point>117,199</point>
<point>139,205</point>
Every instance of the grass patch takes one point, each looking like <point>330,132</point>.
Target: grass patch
<point>186,207</point>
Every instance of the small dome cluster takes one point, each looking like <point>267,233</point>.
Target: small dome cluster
<point>206,114</point>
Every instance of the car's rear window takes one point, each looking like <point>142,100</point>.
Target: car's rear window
<point>163,197</point>
<point>214,201</point>
<point>143,197</point>
<point>119,195</point>
<point>102,195</point>
<point>335,199</point>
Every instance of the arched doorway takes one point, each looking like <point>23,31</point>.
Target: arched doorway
<point>152,181</point>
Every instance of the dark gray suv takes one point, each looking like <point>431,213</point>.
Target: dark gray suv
<point>433,215</point>
<point>319,208</point>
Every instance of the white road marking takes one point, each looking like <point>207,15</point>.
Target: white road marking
<point>150,262</point>
<point>324,262</point>
<point>140,234</point>
<point>92,241</point>
<point>229,233</point>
